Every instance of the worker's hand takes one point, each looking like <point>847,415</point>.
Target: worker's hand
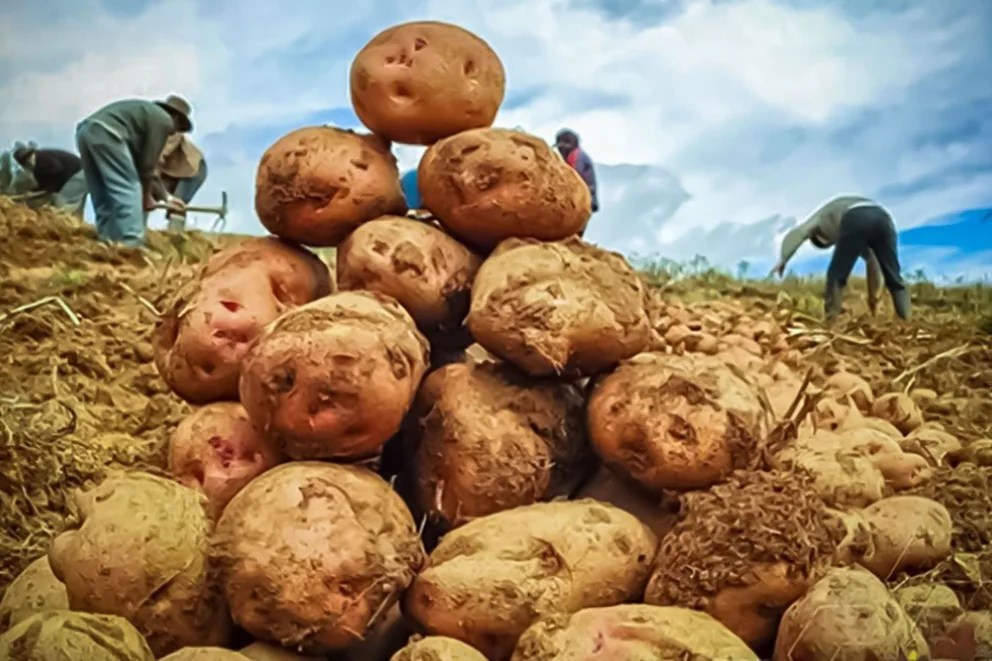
<point>175,204</point>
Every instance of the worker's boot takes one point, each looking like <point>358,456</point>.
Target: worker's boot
<point>176,222</point>
<point>832,300</point>
<point>902,303</point>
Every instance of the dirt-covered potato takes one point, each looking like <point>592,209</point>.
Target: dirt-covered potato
<point>909,532</point>
<point>297,274</point>
<point>899,409</point>
<point>141,552</point>
<point>487,185</point>
<point>933,607</point>
<point>419,82</point>
<point>316,184</point>
<point>259,651</point>
<point>493,577</point>
<point>848,614</point>
<point>607,486</point>
<point>204,654</point>
<point>34,589</point>
<point>842,385</point>
<point>310,554</point>
<point>977,452</point>
<point>968,638</point>
<point>425,270</point>
<point>744,550</point>
<point>631,632</point>
<point>488,439</point>
<point>438,648</point>
<point>674,422</point>
<point>57,635</point>
<point>563,308</point>
<point>216,450</point>
<point>931,443</point>
<point>334,378</point>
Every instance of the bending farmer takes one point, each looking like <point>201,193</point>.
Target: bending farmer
<point>183,170</point>
<point>855,227</point>
<point>58,175</point>
<point>567,143</point>
<point>120,145</point>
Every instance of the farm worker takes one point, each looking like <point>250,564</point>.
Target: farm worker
<point>408,182</point>
<point>855,227</point>
<point>58,177</point>
<point>183,170</point>
<point>567,143</point>
<point>120,146</point>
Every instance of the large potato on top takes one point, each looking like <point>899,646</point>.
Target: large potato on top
<point>317,184</point>
<point>848,614</point>
<point>310,553</point>
<point>487,185</point>
<point>745,574</point>
<point>632,632</point>
<point>61,635</point>
<point>422,81</point>
<point>564,308</point>
<point>334,378</point>
<point>674,422</point>
<point>217,451</point>
<point>427,271</point>
<point>490,439</point>
<point>34,589</point>
<point>141,552</point>
<point>489,580</point>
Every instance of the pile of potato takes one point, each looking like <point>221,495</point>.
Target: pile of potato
<point>494,441</point>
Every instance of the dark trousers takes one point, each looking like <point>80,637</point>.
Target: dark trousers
<point>861,229</point>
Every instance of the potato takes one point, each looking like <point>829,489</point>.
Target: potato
<point>309,554</point>
<point>316,184</point>
<point>899,409</point>
<point>489,580</point>
<point>419,82</point>
<point>923,397</point>
<point>606,486</point>
<point>909,532</point>
<point>259,651</point>
<point>489,439</point>
<point>390,634</point>
<point>634,632</point>
<point>718,561</point>
<point>63,635</point>
<point>903,470</point>
<point>487,185</point>
<point>216,450</point>
<point>845,384</point>
<point>931,443</point>
<point>425,270</point>
<point>298,276</point>
<point>977,452</point>
<point>565,308</point>
<point>969,638</point>
<point>932,607</point>
<point>334,378</point>
<point>34,589</point>
<point>848,614</point>
<point>141,552</point>
<point>437,648</point>
<point>673,422</point>
<point>204,654</point>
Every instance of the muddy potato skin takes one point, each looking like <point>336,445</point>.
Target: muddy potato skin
<point>909,532</point>
<point>334,378</point>
<point>564,308</point>
<point>419,82</point>
<point>898,409</point>
<point>673,422</point>
<point>317,184</point>
<point>848,613</point>
<point>632,632</point>
<point>845,384</point>
<point>425,270</point>
<point>216,450</point>
<point>438,648</point>
<point>34,589</point>
<point>487,185</point>
<point>490,579</point>
<point>62,635</point>
<point>489,439</point>
<point>141,552</point>
<point>309,553</point>
<point>298,276</point>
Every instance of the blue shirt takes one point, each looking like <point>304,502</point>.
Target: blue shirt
<point>408,182</point>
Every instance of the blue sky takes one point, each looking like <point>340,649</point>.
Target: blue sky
<point>715,124</point>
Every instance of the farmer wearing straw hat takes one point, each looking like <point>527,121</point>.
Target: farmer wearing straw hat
<point>120,146</point>
<point>183,170</point>
<point>855,227</point>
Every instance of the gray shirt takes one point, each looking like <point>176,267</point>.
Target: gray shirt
<point>143,125</point>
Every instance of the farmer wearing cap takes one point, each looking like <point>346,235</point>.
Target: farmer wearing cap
<point>855,227</point>
<point>58,176</point>
<point>120,146</point>
<point>183,170</point>
<point>567,143</point>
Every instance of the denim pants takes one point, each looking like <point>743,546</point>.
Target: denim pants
<point>114,184</point>
<point>862,229</point>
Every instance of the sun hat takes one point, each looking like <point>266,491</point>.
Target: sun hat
<point>181,108</point>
